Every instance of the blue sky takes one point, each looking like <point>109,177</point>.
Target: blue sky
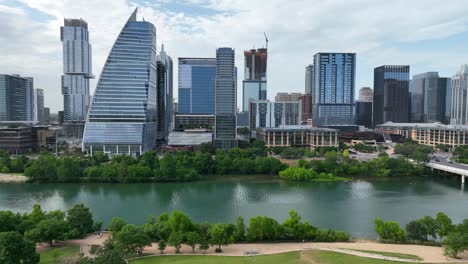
<point>428,35</point>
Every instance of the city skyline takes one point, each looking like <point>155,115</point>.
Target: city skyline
<point>426,43</point>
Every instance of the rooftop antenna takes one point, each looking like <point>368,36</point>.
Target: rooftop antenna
<point>266,39</point>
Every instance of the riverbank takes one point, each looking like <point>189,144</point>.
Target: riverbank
<point>12,177</point>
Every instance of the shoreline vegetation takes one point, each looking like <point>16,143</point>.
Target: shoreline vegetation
<point>204,163</point>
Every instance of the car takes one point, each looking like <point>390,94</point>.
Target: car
<point>451,162</point>
<point>437,160</point>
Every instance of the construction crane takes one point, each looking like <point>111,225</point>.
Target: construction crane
<point>266,39</point>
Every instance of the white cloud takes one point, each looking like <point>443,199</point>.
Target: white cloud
<point>296,29</point>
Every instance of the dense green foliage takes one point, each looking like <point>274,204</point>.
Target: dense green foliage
<point>364,148</point>
<point>460,154</point>
<point>303,174</point>
<point>12,165</point>
<point>415,151</point>
<point>15,249</point>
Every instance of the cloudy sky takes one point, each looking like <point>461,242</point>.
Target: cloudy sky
<point>428,35</point>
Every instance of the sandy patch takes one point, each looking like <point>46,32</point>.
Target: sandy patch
<point>12,178</point>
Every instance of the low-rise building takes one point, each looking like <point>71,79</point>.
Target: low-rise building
<point>190,138</point>
<point>193,121</point>
<point>298,136</point>
<point>16,138</point>
<point>431,134</point>
<point>264,113</point>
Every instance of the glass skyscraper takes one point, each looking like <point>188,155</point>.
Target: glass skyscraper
<point>76,68</point>
<point>197,85</point>
<point>122,118</point>
<point>459,102</point>
<point>225,134</point>
<point>333,89</point>
<point>16,98</point>
<point>165,94</point>
<point>309,79</point>
<point>254,86</point>
<point>391,94</point>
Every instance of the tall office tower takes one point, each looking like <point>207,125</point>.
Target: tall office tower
<point>459,107</point>
<point>16,98</point>
<point>333,89</point>
<point>264,113</point>
<point>306,101</point>
<point>309,79</point>
<point>282,97</point>
<point>391,94</point>
<point>46,115</point>
<point>39,106</point>
<point>122,116</point>
<point>447,83</point>
<point>366,94</point>
<point>429,98</point>
<point>76,69</point>
<point>225,134</point>
<point>165,94</point>
<point>254,86</point>
<point>197,85</point>
<point>364,113</point>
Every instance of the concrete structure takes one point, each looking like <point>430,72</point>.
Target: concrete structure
<point>242,119</point>
<point>39,105</point>
<point>459,106</point>
<point>196,85</point>
<point>193,121</point>
<point>364,113</point>
<point>429,98</point>
<point>391,98</point>
<point>288,97</point>
<point>225,134</point>
<point>274,114</point>
<point>190,138</point>
<point>306,102</point>
<point>164,95</point>
<point>333,89</point>
<point>309,79</point>
<point>16,98</point>
<point>77,69</point>
<point>298,136</point>
<point>366,94</point>
<point>254,86</point>
<point>123,114</point>
<point>431,134</point>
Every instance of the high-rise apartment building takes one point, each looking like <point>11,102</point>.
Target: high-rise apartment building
<point>122,117</point>
<point>39,106</point>
<point>306,101</point>
<point>264,113</point>
<point>429,98</point>
<point>333,89</point>
<point>197,85</point>
<point>164,94</point>
<point>309,79</point>
<point>254,86</point>
<point>282,97</point>
<point>459,105</point>
<point>77,70</point>
<point>225,134</point>
<point>16,98</point>
<point>391,88</point>
<point>364,113</point>
<point>366,94</point>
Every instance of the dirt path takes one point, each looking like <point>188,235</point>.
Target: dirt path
<point>4,178</point>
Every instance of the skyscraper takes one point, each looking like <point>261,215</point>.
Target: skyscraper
<point>165,94</point>
<point>77,70</point>
<point>197,85</point>
<point>122,117</point>
<point>364,113</point>
<point>391,94</point>
<point>39,106</point>
<point>366,94</point>
<point>460,97</point>
<point>264,113</point>
<point>429,98</point>
<point>225,134</point>
<point>333,89</point>
<point>254,86</point>
<point>16,98</point>
<point>309,79</point>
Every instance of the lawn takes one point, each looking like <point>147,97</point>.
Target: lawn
<point>389,254</point>
<point>57,255</point>
<point>305,257</point>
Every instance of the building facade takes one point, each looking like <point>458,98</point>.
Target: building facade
<point>77,69</point>
<point>197,85</point>
<point>16,98</point>
<point>39,106</point>
<point>309,79</point>
<point>306,103</point>
<point>287,97</point>
<point>225,134</point>
<point>164,95</point>
<point>274,114</point>
<point>459,106</point>
<point>364,113</point>
<point>298,136</point>
<point>366,94</point>
<point>193,121</point>
<point>123,114</point>
<point>16,139</point>
<point>254,86</point>
<point>429,98</point>
<point>391,94</point>
<point>333,89</point>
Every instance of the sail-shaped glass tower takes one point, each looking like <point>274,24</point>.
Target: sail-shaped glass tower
<point>122,118</point>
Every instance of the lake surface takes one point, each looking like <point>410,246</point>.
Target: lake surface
<point>347,206</point>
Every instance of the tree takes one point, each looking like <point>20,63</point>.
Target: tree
<point>116,224</point>
<point>444,224</point>
<point>389,230</point>
<point>42,169</point>
<point>69,169</point>
<point>192,239</point>
<point>162,245</point>
<point>47,231</point>
<point>262,228</point>
<point>455,243</point>
<point>239,233</point>
<point>109,253</point>
<point>15,249</point>
<point>176,239</point>
<point>422,229</point>
<point>80,220</point>
<point>132,239</point>
<point>204,244</point>
<point>180,222</point>
<point>219,236</point>
<point>8,221</point>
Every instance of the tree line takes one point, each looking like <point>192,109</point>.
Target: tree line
<point>426,230</point>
